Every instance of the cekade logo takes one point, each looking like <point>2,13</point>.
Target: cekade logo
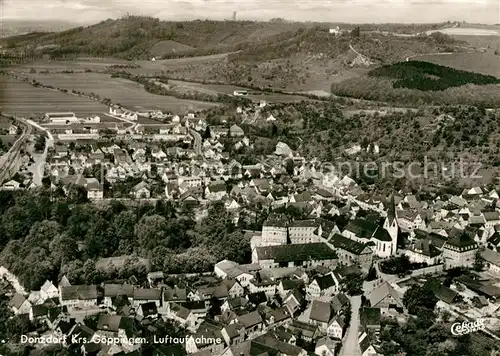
<point>458,329</point>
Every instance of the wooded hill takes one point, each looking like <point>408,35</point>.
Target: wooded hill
<point>428,76</point>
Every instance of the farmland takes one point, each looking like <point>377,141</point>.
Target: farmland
<point>229,89</point>
<point>483,63</point>
<point>468,31</point>
<point>121,91</point>
<point>23,99</point>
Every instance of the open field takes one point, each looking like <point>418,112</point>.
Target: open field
<point>23,99</point>
<point>484,43</point>
<point>229,89</point>
<point>121,91</point>
<point>75,65</point>
<point>484,63</point>
<point>467,31</point>
<point>155,67</point>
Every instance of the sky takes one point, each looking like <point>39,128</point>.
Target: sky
<point>348,11</point>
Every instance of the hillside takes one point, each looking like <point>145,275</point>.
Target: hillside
<point>428,76</point>
<point>415,83</point>
<point>133,37</point>
<point>312,58</point>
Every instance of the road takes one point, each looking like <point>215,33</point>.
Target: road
<point>197,142</point>
<point>350,344</point>
<point>10,161</point>
<point>38,168</point>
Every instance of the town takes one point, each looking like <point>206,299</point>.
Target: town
<point>330,266</point>
<point>227,187</point>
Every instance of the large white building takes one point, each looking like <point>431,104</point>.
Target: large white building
<point>460,251</point>
<point>61,117</point>
<point>274,232</point>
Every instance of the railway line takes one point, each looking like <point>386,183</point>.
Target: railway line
<point>10,161</point>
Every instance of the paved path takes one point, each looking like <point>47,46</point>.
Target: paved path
<point>350,344</point>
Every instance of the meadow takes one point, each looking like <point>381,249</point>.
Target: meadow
<point>229,89</point>
<point>483,63</point>
<point>23,99</point>
<point>120,91</point>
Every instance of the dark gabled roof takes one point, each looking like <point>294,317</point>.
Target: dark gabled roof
<point>303,223</point>
<point>461,241</point>
<point>338,302</point>
<point>426,248</point>
<point>114,290</point>
<point>250,319</point>
<point>109,322</point>
<point>39,310</point>
<point>350,245</point>
<point>325,282</point>
<point>149,309</point>
<point>366,229</point>
<point>147,294</point>
<point>296,252</point>
<point>257,298</point>
<point>82,292</point>
<point>364,343</point>
<point>443,293</point>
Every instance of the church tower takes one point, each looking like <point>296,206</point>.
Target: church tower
<point>391,225</point>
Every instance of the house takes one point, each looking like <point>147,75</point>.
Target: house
<point>148,310</point>
<point>147,295</point>
<point>215,191</point>
<point>181,315</point>
<point>336,328</point>
<point>294,301</point>
<point>141,191</point>
<point>385,297</point>
<point>303,231</point>
<point>95,190</point>
<point>11,185</point>
<point>305,331</point>
<point>236,131</point>
<point>326,347</point>
<point>113,291</point>
<point>320,313</point>
<point>351,251</point>
<point>13,130</point>
<point>423,251</point>
<point>252,322</point>
<point>492,260</point>
<point>19,304</point>
<point>264,345</point>
<point>274,232</point>
<point>48,290</point>
<point>339,302</point>
<point>295,255</point>
<point>322,286</point>
<point>61,117</point>
<point>203,339</point>
<point>78,295</point>
<point>366,346</point>
<point>231,270</point>
<point>459,251</point>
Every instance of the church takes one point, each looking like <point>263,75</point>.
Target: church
<point>382,239</point>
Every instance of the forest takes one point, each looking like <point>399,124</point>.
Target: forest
<point>45,235</point>
<point>429,77</point>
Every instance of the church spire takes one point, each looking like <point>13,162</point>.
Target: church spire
<point>391,213</point>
